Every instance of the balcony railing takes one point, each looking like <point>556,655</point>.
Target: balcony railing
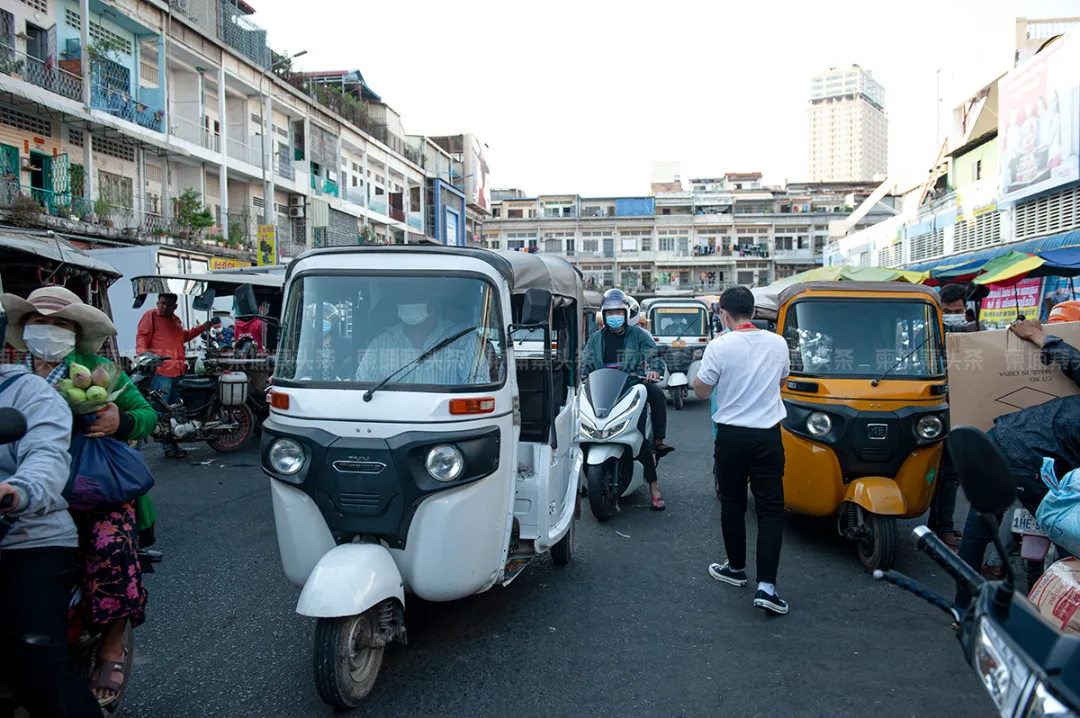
<point>244,152</point>
<point>193,132</point>
<point>397,214</point>
<point>376,205</point>
<point>57,204</point>
<point>68,206</point>
<point>239,32</point>
<point>284,166</point>
<point>416,220</point>
<point>120,104</point>
<point>41,73</point>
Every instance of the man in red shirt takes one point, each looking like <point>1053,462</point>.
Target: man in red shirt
<point>162,333</point>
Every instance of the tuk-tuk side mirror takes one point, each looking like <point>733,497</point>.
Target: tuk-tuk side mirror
<point>140,299</point>
<point>205,301</point>
<point>246,303</point>
<point>537,306</point>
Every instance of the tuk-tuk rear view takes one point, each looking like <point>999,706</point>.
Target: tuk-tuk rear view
<point>866,406</point>
<point>409,449</point>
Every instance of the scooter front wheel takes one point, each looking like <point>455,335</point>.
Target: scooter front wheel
<point>678,396</point>
<point>346,659</point>
<point>603,498</point>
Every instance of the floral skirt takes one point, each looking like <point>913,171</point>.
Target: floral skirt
<point>109,574</point>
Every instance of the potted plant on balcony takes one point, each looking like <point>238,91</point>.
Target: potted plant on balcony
<point>25,211</point>
<point>102,209</point>
<point>191,215</point>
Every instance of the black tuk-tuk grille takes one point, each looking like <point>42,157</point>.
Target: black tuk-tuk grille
<point>353,499</point>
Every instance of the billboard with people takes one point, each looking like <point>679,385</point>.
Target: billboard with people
<point>1039,121</point>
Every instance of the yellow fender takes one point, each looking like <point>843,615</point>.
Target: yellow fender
<point>877,495</point>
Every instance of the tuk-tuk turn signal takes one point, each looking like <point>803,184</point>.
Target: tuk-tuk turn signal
<point>278,400</point>
<point>485,405</point>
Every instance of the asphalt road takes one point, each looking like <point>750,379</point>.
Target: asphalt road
<point>634,626</point>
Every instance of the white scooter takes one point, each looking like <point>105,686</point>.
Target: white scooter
<point>610,439</point>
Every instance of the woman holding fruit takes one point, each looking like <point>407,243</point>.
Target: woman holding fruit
<point>62,336</point>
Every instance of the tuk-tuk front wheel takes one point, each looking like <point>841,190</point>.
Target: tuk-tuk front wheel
<point>603,494</point>
<point>346,659</point>
<point>877,549</point>
<point>563,551</point>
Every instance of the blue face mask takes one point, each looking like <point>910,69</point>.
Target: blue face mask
<point>326,327</point>
<point>615,321</point>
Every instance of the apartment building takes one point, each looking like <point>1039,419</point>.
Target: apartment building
<point>991,192</point>
<point>717,233</point>
<point>110,112</point>
<point>848,128</point>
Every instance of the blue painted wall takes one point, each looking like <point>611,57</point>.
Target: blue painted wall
<point>636,207</point>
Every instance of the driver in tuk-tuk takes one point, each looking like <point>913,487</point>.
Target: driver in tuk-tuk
<point>422,324</point>
<point>621,346</point>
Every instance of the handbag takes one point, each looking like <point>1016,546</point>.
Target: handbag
<point>105,472</point>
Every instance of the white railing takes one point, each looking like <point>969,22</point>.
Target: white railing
<point>244,152</point>
<point>194,133</point>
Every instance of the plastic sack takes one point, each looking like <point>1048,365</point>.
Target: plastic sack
<point>1059,512</point>
<point>105,472</point>
<point>82,407</point>
<point>1057,595</point>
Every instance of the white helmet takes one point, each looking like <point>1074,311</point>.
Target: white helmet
<point>633,311</point>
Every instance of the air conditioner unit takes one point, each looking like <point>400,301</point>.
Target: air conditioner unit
<point>296,211</point>
<point>296,200</point>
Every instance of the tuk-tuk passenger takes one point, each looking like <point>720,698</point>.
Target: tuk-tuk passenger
<point>418,329</point>
<point>332,356</point>
<point>628,348</point>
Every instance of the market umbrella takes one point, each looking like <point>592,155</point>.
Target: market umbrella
<point>962,272</point>
<point>1064,262</point>
<point>1009,269</point>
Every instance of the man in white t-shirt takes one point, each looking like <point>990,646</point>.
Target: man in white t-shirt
<point>745,368</point>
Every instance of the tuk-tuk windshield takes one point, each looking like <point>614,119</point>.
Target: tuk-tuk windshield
<point>679,321</point>
<point>851,338</point>
<point>361,329</point>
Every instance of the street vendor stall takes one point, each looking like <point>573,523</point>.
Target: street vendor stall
<point>30,260</point>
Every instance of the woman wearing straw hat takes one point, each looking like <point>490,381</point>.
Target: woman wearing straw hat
<point>56,329</point>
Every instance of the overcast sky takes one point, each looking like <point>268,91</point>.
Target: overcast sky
<point>581,97</point>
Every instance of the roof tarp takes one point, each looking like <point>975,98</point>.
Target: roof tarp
<point>1032,246</point>
<point>1008,269</point>
<point>57,250</point>
<point>1064,262</point>
<point>543,271</point>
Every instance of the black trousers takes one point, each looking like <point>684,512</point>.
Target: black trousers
<point>757,454</point>
<point>35,588</point>
<point>645,455</point>
<point>943,505</point>
<point>658,408</point>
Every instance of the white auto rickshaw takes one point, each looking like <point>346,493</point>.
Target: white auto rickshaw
<point>410,449</point>
<point>681,328</point>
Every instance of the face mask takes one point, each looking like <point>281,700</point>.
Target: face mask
<point>954,320</point>
<point>47,342</point>
<point>615,321</point>
<point>326,326</point>
<point>412,314</point>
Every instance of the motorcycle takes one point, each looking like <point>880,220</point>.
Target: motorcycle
<point>610,441</point>
<point>83,638</point>
<point>212,407</point>
<point>1028,667</point>
<point>1034,544</point>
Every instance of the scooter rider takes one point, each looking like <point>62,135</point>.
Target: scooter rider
<point>629,348</point>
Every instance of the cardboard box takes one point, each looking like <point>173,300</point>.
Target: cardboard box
<point>1057,595</point>
<point>996,372</point>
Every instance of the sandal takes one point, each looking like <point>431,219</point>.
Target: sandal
<point>657,503</point>
<point>662,450</point>
<point>177,454</point>
<point>104,681</point>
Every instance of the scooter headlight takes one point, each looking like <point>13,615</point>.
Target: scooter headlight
<point>1002,671</point>
<point>616,429</point>
<point>286,456</point>
<point>587,428</point>
<point>1043,704</point>
<point>929,427</point>
<point>698,353</point>
<point>818,424</point>
<point>444,463</point>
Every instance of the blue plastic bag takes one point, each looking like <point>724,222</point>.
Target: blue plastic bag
<point>1059,512</point>
<point>105,472</point>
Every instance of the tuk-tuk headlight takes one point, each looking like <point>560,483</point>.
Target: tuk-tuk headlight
<point>929,427</point>
<point>286,456</point>
<point>818,424</point>
<point>444,463</point>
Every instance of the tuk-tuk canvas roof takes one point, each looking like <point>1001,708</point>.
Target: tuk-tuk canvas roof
<point>216,280</point>
<point>522,270</point>
<point>793,290</point>
<point>768,298</point>
<point>57,250</point>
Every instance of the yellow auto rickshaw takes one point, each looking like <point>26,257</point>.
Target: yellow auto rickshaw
<point>867,406</point>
